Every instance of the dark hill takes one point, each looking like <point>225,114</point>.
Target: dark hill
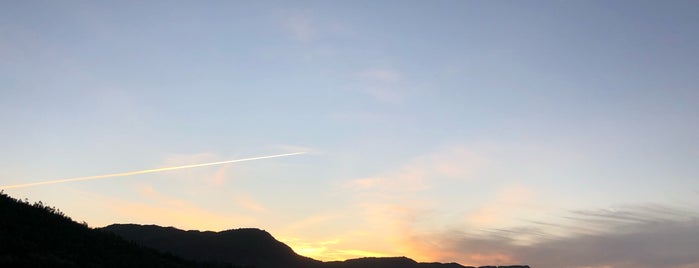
<point>390,262</point>
<point>250,247</point>
<point>244,247</point>
<point>34,235</point>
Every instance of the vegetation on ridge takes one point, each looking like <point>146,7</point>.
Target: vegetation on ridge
<point>36,235</point>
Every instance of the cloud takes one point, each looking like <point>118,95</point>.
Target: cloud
<point>398,204</point>
<point>217,178</point>
<point>450,163</point>
<point>213,176</point>
<point>327,250</point>
<point>381,75</point>
<point>248,203</point>
<point>292,148</point>
<point>502,207</point>
<point>312,221</point>
<point>221,176</point>
<point>161,209</point>
<point>632,236</point>
<point>383,84</point>
<point>300,25</point>
<point>512,222</point>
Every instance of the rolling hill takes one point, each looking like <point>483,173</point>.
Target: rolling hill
<point>251,247</point>
<point>35,235</point>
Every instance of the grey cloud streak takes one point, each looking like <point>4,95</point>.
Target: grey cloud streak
<point>632,236</point>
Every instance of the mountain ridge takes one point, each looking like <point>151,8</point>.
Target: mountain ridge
<point>166,239</point>
<point>36,235</point>
<point>242,247</point>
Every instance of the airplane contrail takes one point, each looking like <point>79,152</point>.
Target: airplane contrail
<point>129,173</point>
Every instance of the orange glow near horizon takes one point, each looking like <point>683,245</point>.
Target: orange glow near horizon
<point>333,252</point>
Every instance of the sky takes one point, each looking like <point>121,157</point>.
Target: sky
<point>549,133</point>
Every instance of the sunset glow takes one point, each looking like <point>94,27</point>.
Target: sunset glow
<point>547,133</point>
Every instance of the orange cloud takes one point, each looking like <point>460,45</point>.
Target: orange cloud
<point>451,163</point>
<point>246,202</point>
<point>502,207</point>
<point>189,219</point>
<point>400,206</point>
<point>220,177</point>
<point>340,247</point>
<point>494,258</point>
<point>311,222</point>
<point>393,212</point>
<point>168,211</point>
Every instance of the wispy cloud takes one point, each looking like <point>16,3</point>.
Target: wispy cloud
<point>312,221</point>
<point>451,163</point>
<point>248,203</point>
<point>513,223</point>
<point>394,203</point>
<point>502,207</point>
<point>329,250</point>
<point>161,209</point>
<point>217,176</point>
<point>221,176</point>
<point>292,148</point>
<point>135,172</point>
<point>384,84</point>
<point>300,25</point>
<point>632,236</point>
<point>381,75</point>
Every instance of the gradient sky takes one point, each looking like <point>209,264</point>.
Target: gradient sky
<point>550,133</point>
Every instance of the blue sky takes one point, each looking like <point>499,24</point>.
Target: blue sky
<point>518,126</point>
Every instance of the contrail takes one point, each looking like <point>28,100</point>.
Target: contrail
<point>144,171</point>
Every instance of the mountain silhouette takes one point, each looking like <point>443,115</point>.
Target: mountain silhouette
<point>243,247</point>
<point>35,235</point>
<point>251,247</point>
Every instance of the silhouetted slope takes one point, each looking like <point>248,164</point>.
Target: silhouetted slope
<point>250,247</point>
<point>243,247</point>
<point>372,262</point>
<point>400,262</point>
<point>40,236</point>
